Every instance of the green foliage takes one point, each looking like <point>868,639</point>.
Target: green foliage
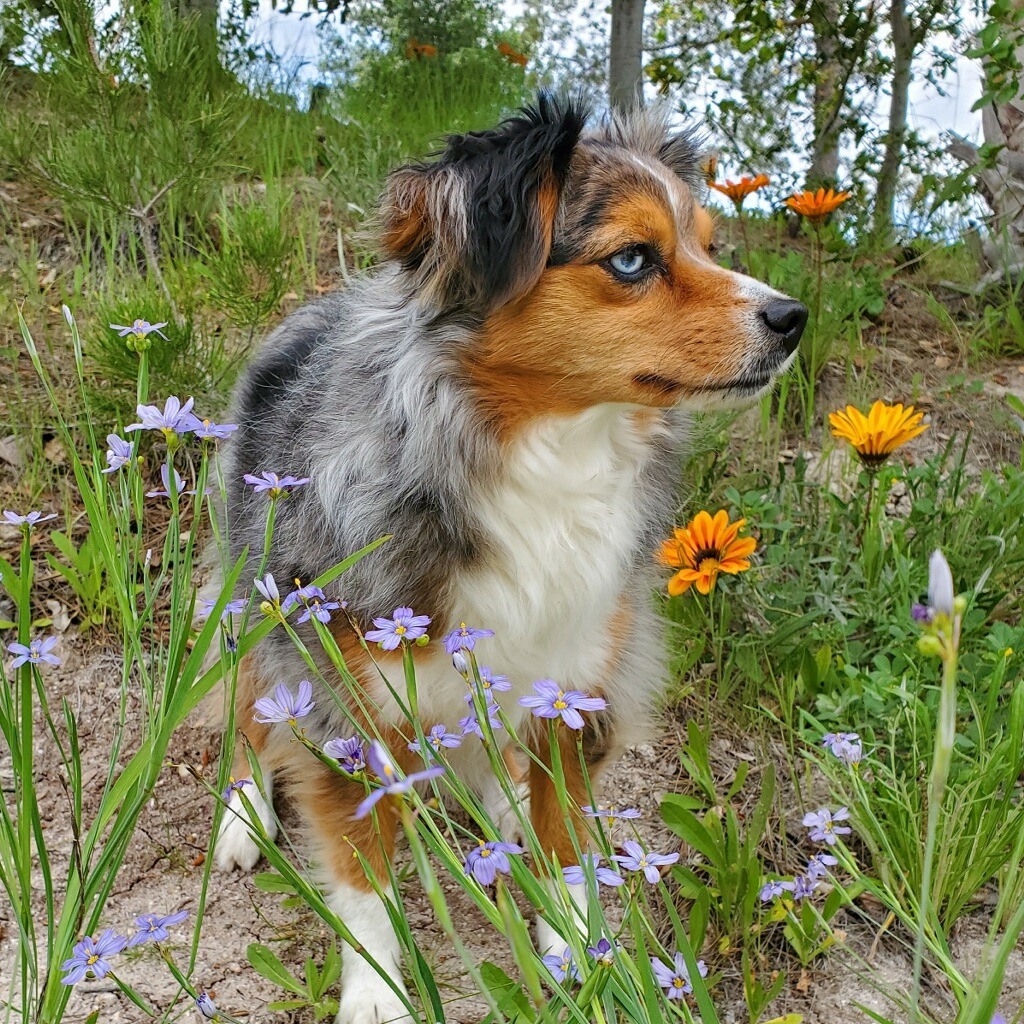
<point>311,991</point>
<point>86,573</point>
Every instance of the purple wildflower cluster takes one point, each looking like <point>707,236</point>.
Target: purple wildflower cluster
<point>825,827</point>
<point>576,874</point>
<point>470,725</point>
<point>464,638</point>
<point>846,746</point>
<point>639,859</point>
<point>92,956</point>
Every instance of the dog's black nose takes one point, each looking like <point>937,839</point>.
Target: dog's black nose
<point>787,319</point>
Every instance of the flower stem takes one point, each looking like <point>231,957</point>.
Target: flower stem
<point>945,736</point>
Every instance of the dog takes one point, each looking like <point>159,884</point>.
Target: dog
<point>506,395</point>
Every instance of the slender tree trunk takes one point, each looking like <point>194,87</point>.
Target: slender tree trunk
<point>1001,180</point>
<point>625,58</point>
<point>904,44</point>
<point>829,97</point>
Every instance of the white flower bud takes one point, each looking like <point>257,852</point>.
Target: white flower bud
<point>461,663</point>
<point>940,584</point>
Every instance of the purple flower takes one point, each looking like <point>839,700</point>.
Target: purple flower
<point>207,430</point>
<point>550,701</point>
<point>403,625</point>
<point>803,886</point>
<point>437,738</point>
<point>822,824</point>
<point>273,485</point>
<point>460,663</point>
<point>846,746</point>
<point>613,814</point>
<point>119,453</point>
<point>153,927</point>
<point>315,601</point>
<point>675,980</point>
<point>165,491</point>
<point>488,859</point>
<point>638,859</point>
<point>30,519</point>
<point>173,418</point>
<point>561,967</point>
<point>90,955</point>
<point>268,588</point>
<point>284,706</point>
<point>35,653</point>
<point>489,681</point>
<point>603,953</point>
<point>464,638</point>
<point>576,874</point>
<point>471,723</point>
<point>234,786</point>
<point>384,768</point>
<point>922,613</point>
<point>818,865</point>
<point>348,753</point>
<point>320,608</point>
<point>206,606</point>
<point>998,1019</point>
<point>139,329</point>
<point>206,1006</point>
<point>774,888</point>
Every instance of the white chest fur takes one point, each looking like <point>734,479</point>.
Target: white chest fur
<point>560,527</point>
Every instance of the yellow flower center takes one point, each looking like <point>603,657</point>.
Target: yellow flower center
<point>678,983</point>
<point>559,704</point>
<point>485,852</point>
<point>400,630</point>
<point>92,959</point>
<point>707,564</point>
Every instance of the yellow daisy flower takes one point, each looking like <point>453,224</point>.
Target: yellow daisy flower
<point>876,436</point>
<point>703,548</point>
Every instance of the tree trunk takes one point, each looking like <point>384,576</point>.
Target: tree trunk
<point>829,97</point>
<point>1001,180</point>
<point>904,44</point>
<point>625,57</point>
<point>202,14</point>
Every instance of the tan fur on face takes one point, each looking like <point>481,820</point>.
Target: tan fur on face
<point>580,337</point>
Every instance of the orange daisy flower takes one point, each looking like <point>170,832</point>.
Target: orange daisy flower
<point>704,548</point>
<point>876,436</point>
<point>816,206</point>
<point>512,55</point>
<point>737,191</point>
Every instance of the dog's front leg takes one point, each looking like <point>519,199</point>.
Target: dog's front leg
<point>328,803</point>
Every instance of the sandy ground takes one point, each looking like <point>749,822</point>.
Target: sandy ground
<point>165,866</point>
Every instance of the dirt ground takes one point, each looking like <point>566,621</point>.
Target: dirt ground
<point>165,865</point>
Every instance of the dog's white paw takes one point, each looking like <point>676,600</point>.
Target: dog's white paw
<point>500,811</point>
<point>367,999</point>
<point>235,846</point>
<point>549,938</point>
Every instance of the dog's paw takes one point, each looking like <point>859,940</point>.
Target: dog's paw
<point>235,846</point>
<point>367,999</point>
<point>549,938</point>
<point>500,811</point>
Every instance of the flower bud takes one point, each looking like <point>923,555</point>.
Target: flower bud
<point>930,646</point>
<point>422,641</point>
<point>206,1006</point>
<point>940,585</point>
<point>461,663</point>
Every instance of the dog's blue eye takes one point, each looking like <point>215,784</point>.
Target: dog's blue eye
<point>629,262</point>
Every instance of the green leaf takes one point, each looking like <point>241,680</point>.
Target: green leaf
<point>688,826</point>
<point>264,962</point>
<point>508,994</point>
<point>271,881</point>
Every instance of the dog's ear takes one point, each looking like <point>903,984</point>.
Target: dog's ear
<point>474,226</point>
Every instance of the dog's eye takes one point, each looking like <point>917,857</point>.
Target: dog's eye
<point>631,263</point>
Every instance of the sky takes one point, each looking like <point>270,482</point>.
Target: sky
<point>296,41</point>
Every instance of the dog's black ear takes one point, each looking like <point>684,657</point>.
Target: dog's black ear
<point>474,226</point>
<point>683,153</point>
